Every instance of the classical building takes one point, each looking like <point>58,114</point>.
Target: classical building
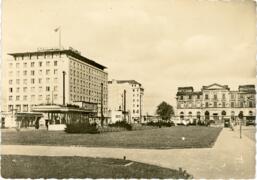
<point>54,76</point>
<point>215,102</point>
<point>125,100</point>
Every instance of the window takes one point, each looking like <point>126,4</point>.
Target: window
<point>10,90</point>
<point>55,63</point>
<point>223,104</point>
<point>232,96</point>
<point>18,107</point>
<point>47,80</point>
<point>25,108</point>
<point>189,97</point>
<point>32,64</point>
<point>10,65</point>
<point>33,97</point>
<point>47,71</point>
<point>40,80</point>
<point>206,96</point>
<point>40,97</point>
<point>32,89</point>
<point>17,65</point>
<point>55,96</point>
<point>25,98</point>
<point>24,73</point>
<point>47,88</point>
<point>198,96</point>
<point>251,104</point>
<point>40,64</point>
<point>32,81</point>
<point>25,81</point>
<point>10,107</point>
<point>40,88</point>
<point>55,88</point>
<point>55,80</point>
<point>215,97</point>
<point>10,82</point>
<point>32,72</point>
<point>232,104</point>
<point>17,81</point>
<point>25,89</point>
<point>17,98</point>
<point>40,72</point>
<point>10,98</point>
<point>223,96</point>
<point>25,65</point>
<point>206,104</point>
<point>55,71</point>
<point>17,89</point>
<point>215,104</point>
<point>10,73</point>
<point>48,63</point>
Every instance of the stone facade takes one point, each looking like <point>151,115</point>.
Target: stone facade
<point>215,102</point>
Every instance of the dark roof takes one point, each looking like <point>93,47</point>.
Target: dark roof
<point>125,81</point>
<point>247,86</point>
<point>186,87</point>
<point>190,93</point>
<point>68,52</point>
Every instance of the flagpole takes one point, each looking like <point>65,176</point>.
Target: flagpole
<point>60,44</point>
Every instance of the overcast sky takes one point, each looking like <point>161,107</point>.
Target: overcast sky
<point>162,44</point>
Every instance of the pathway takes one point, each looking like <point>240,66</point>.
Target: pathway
<point>231,157</point>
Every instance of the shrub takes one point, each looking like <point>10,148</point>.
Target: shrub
<point>161,123</point>
<point>122,124</point>
<point>82,128</point>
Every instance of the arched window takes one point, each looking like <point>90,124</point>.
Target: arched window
<point>223,113</point>
<point>250,113</point>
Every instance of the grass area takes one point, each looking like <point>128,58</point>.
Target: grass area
<point>162,138</point>
<point>13,166</point>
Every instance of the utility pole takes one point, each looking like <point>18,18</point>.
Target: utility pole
<point>102,114</point>
<point>63,78</point>
<point>124,104</point>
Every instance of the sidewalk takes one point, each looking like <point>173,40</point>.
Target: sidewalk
<point>231,157</point>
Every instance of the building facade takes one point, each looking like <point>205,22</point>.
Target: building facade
<point>215,102</point>
<point>125,100</point>
<point>54,76</point>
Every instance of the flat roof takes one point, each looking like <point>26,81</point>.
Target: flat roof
<point>69,52</point>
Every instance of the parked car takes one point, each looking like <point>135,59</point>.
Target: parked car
<point>226,122</point>
<point>250,122</point>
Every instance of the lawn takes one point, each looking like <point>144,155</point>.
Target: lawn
<point>161,138</point>
<point>81,167</point>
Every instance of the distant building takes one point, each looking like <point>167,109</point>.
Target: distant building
<point>54,76</point>
<point>215,102</point>
<point>125,100</point>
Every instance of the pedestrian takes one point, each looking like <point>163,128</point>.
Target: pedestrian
<point>46,122</point>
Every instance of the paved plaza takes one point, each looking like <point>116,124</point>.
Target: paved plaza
<point>231,157</point>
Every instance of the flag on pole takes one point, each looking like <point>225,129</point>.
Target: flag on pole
<point>56,29</point>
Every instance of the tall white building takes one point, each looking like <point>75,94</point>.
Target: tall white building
<point>53,76</point>
<point>125,100</point>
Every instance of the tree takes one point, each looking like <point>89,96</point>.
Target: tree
<point>164,110</point>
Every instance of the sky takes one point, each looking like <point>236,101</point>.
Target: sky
<point>162,44</point>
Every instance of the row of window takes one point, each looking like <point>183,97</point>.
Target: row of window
<point>223,104</point>
<point>33,72</point>
<point>215,96</point>
<point>32,81</point>
<point>32,64</point>
<point>33,97</point>
<point>32,89</point>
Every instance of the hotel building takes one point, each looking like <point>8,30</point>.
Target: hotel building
<point>125,100</point>
<point>215,102</point>
<point>54,76</point>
